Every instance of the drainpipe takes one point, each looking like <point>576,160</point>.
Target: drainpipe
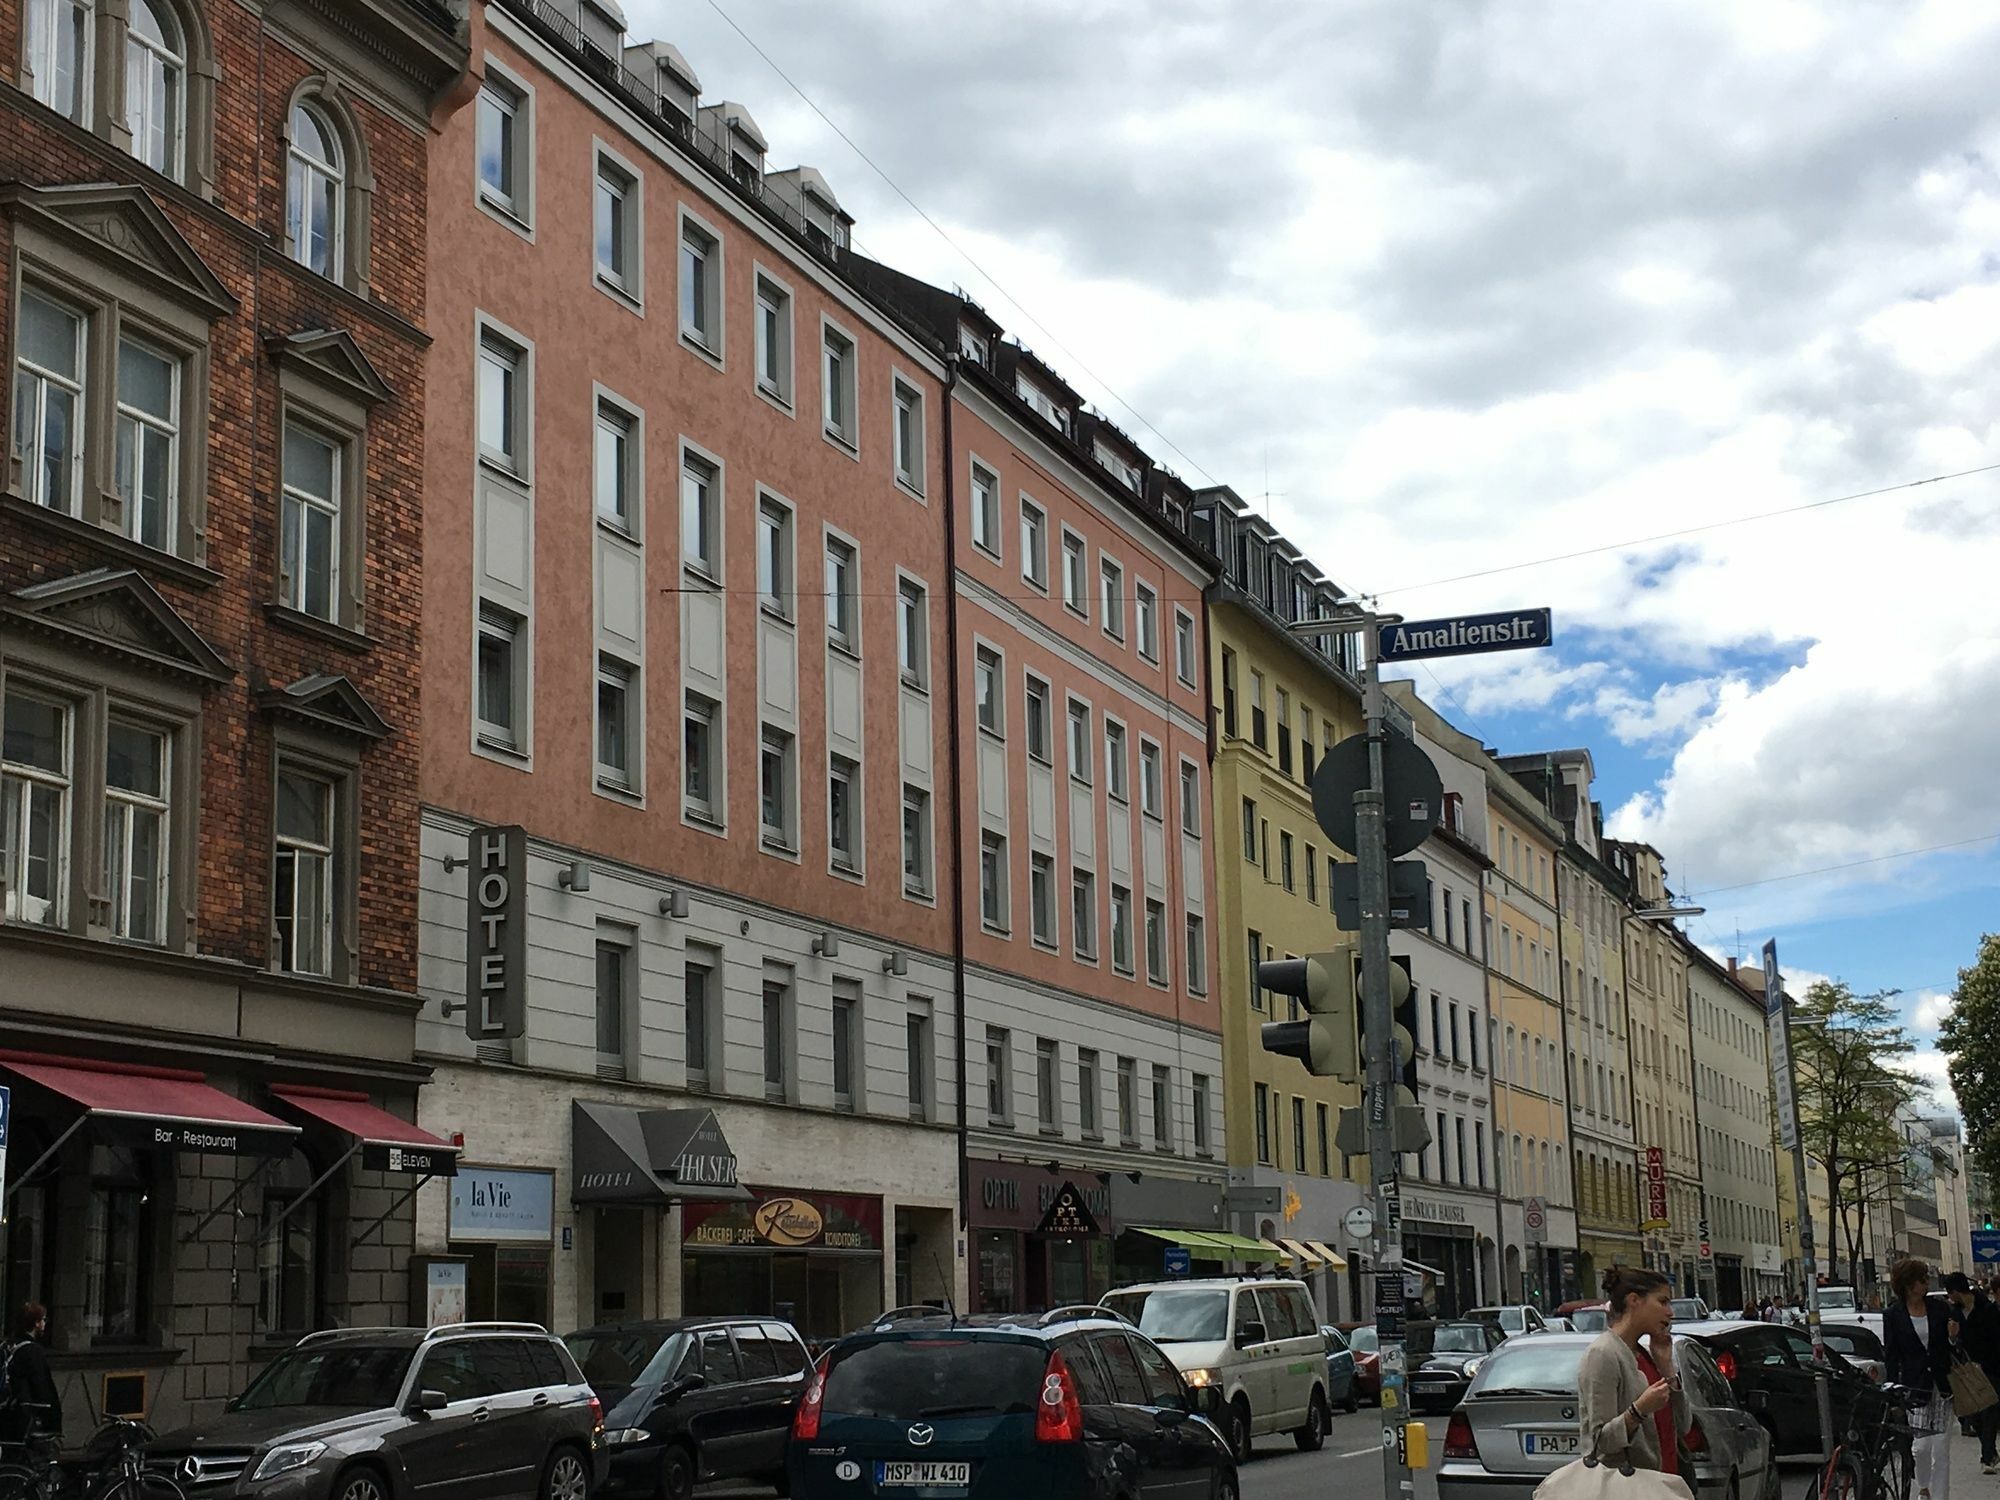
<point>957,807</point>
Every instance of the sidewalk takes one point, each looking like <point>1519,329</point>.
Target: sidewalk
<point>1967,1483</point>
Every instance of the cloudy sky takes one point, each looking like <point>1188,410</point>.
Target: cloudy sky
<point>1461,285</point>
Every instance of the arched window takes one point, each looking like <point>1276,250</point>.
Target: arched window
<point>156,86</point>
<point>315,187</point>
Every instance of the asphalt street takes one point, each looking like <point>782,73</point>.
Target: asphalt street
<point>1349,1466</point>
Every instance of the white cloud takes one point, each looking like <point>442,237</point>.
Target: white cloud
<point>1927,1011</point>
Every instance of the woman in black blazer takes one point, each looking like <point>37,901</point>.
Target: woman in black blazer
<point>1917,1335</point>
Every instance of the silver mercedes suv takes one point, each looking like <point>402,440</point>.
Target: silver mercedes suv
<point>485,1409</point>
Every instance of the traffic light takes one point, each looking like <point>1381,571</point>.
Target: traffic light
<point>1403,1014</point>
<point>1324,983</point>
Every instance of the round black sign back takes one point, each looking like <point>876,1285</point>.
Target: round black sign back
<point>1413,797</point>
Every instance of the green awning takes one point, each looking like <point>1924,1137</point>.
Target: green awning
<point>1187,1239</point>
<point>1242,1247</point>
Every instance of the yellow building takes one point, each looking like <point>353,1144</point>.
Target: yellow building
<point>1280,704</point>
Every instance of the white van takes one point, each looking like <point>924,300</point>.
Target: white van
<point>1255,1339</point>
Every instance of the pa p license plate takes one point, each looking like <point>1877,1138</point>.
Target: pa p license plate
<point>1550,1442</point>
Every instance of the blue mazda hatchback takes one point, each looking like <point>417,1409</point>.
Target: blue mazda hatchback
<point>1071,1405</point>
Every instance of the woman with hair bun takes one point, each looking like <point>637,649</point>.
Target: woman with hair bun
<point>1631,1409</point>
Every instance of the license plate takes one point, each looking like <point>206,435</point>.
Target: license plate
<point>922,1476</point>
<point>1549,1442</point>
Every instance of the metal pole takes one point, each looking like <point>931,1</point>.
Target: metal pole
<point>1808,1267</point>
<point>1378,1027</point>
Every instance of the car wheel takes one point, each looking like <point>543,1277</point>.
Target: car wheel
<point>567,1477</point>
<point>361,1483</point>
<point>1224,1488</point>
<point>1236,1430</point>
<point>1312,1437</point>
<point>677,1474</point>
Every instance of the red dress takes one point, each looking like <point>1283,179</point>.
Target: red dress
<point>1663,1420</point>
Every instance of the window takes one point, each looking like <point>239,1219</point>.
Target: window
<point>913,645</point>
<point>1190,799</point>
<point>993,881</point>
<point>59,54</point>
<point>1257,709</point>
<point>700,760</point>
<point>1150,793</point>
<point>776,807</point>
<point>1261,1098</point>
<point>116,1224</point>
<point>1079,742</point>
<point>49,404</point>
<point>155,85</point>
<point>1198,1114</point>
<point>1128,1100</point>
<point>774,340</point>
<point>699,531</point>
<point>614,974</point>
<point>1111,583</point>
<point>1312,874</point>
<point>1250,823</point>
<point>148,442</point>
<point>310,530</point>
<point>35,784</point>
<point>1256,940</point>
<point>987,688</point>
<point>1037,721</point>
<point>1042,899</point>
<point>999,1080</point>
<point>502,424</point>
<point>1121,929</point>
<point>1047,1062</point>
<point>1074,560</point>
<point>1117,775</point>
<point>1184,650</point>
<point>776,1018</point>
<point>1146,620</point>
<point>315,191</point>
<point>501,699</point>
<point>774,558</point>
<point>1285,859</point>
<point>1229,693</point>
<point>917,1059</point>
<point>617,237</point>
<point>843,814</point>
<point>288,1258</point>
<point>1083,914</point>
<point>909,436</point>
<point>1163,1109</point>
<point>1086,1091</point>
<point>1325,1159</point>
<point>1156,941</point>
<point>986,510</point>
<point>617,473</point>
<point>1197,956</point>
<point>1458,1143</point>
<point>1298,1134</point>
<point>504,152</point>
<point>846,1050</point>
<point>1034,544</point>
<point>700,1022</point>
<point>916,842</point>
<point>1305,743</point>
<point>135,831</point>
<point>837,386</point>
<point>842,608</point>
<point>617,728</point>
<point>1284,731</point>
<point>302,899</point>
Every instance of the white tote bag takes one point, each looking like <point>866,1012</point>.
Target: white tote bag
<point>1592,1478</point>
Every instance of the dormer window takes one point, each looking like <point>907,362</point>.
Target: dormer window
<point>603,30</point>
<point>1118,464</point>
<point>971,344</point>
<point>1042,402</point>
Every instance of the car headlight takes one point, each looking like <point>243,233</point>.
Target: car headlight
<point>1200,1379</point>
<point>1472,1367</point>
<point>624,1437</point>
<point>286,1459</point>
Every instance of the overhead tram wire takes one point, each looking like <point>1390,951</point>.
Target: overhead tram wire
<point>916,208</point>
<point>1853,864</point>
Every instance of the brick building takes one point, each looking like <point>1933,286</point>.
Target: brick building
<point>211,552</point>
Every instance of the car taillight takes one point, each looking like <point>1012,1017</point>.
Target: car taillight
<point>1059,1415</point>
<point>1458,1437</point>
<point>596,1415</point>
<point>805,1420</point>
<point>1726,1363</point>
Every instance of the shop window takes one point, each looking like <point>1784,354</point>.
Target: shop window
<point>288,1268</point>
<point>117,1243</point>
<point>30,1237</point>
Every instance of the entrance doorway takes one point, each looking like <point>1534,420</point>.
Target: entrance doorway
<point>620,1256</point>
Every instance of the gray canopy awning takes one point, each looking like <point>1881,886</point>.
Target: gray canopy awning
<point>620,1154</point>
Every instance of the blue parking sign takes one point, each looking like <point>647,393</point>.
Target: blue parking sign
<point>6,1113</point>
<point>1986,1249</point>
<point>1179,1261</point>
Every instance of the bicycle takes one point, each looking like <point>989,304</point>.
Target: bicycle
<point>1876,1460</point>
<point>116,1469</point>
<point>31,1466</point>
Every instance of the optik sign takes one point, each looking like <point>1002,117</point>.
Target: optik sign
<point>496,934</point>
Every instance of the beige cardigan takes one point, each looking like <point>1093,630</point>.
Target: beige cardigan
<point>1607,1383</point>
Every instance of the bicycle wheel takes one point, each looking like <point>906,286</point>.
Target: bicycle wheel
<point>137,1487</point>
<point>1895,1470</point>
<point>17,1482</point>
<point>1847,1482</point>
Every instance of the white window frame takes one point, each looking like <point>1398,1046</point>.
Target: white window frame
<point>292,591</point>
<point>905,395</point>
<point>1080,746</point>
<point>612,411</point>
<point>1192,813</point>
<point>701,709</point>
<point>1117,760</point>
<point>709,343</point>
<point>913,647</point>
<point>781,392</point>
<point>1034,558</point>
<point>1043,754</point>
<point>1194,944</point>
<point>999,1071</point>
<point>123,808</point>
<point>1044,926</point>
<point>143,421</point>
<point>40,58</point>
<point>777,596</point>
<point>1146,621</point>
<point>845,434</point>
<point>1048,1085</point>
<point>919,884</point>
<point>1079,605</point>
<point>995,883</point>
<point>1111,593</point>
<point>844,637</point>
<point>517,355</point>
<point>1127,965</point>
<point>624,284</point>
<point>624,942</point>
<point>1153,788</point>
<point>616,671</point>
<point>781,837</point>
<point>1154,939</point>
<point>983,484</point>
<point>300,850</point>
<point>989,709</point>
<point>515,98</point>
<point>707,570</point>
<point>76,387</point>
<point>169,63</point>
<point>505,624</point>
<point>840,768</point>
<point>309,167</point>
<point>1083,927</point>
<point>20,783</point>
<point>1187,644</point>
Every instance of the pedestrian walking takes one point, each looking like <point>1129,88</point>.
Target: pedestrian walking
<point>1979,1337</point>
<point>33,1404</point>
<point>1917,1332</point>
<point>1629,1393</point>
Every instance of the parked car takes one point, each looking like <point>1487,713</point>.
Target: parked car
<point>1838,1299</point>
<point>1770,1367</point>
<point>1367,1353</point>
<point>373,1413</point>
<point>1586,1317</point>
<point>1513,1319</point>
<point>1256,1341</point>
<point>991,1408</point>
<point>1455,1354</point>
<point>1860,1346</point>
<point>1691,1310</point>
<point>1518,1424</point>
<point>1340,1381</point>
<point>1557,1325</point>
<point>693,1399</point>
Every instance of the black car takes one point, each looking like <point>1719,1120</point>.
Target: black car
<point>489,1409</point>
<point>1066,1406</point>
<point>693,1399</point>
<point>1770,1367</point>
<point>1437,1381</point>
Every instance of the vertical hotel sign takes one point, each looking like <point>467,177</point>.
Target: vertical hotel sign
<point>1779,1025</point>
<point>496,934</point>
<point>1656,1189</point>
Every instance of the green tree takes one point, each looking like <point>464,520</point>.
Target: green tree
<point>1845,1048</point>
<point>1970,1037</point>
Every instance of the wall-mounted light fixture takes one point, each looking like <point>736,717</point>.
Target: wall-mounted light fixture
<point>896,964</point>
<point>674,904</point>
<point>575,876</point>
<point>826,945</point>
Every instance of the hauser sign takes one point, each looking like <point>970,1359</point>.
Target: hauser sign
<point>496,934</point>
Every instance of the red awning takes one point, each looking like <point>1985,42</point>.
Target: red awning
<point>387,1144</point>
<point>156,1107</point>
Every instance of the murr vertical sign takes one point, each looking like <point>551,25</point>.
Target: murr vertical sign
<point>496,934</point>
